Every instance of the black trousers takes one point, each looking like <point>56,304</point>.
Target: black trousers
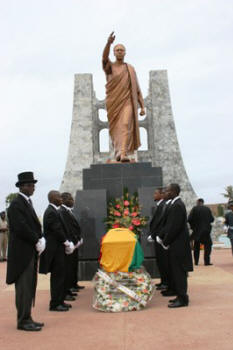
<point>75,260</point>
<point>57,278</point>
<point>25,288</point>
<point>207,250</point>
<point>179,277</point>
<point>162,262</point>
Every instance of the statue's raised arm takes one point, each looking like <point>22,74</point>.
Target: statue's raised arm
<point>106,51</point>
<point>123,95</point>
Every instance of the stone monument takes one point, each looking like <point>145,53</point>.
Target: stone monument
<point>93,181</point>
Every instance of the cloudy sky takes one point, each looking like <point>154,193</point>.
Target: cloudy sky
<point>44,43</point>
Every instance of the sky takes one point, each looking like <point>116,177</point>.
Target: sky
<point>44,43</point>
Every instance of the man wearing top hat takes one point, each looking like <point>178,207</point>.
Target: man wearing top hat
<point>25,245</point>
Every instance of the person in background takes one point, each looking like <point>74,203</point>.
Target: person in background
<point>3,236</point>
<point>200,219</point>
<point>229,223</point>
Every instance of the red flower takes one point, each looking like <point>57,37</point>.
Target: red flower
<point>136,222</point>
<point>134,214</point>
<point>126,203</point>
<point>118,206</point>
<point>115,225</point>
<point>117,213</point>
<point>131,227</point>
<point>126,212</point>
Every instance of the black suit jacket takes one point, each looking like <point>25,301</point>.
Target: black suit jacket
<point>25,230</point>
<point>176,234</point>
<point>55,237</point>
<point>157,220</point>
<point>200,219</point>
<point>70,225</point>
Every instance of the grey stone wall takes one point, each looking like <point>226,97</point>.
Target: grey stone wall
<point>163,148</point>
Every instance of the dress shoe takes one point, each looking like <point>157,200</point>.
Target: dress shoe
<point>158,284</point>
<point>80,287</point>
<point>162,287</point>
<point>177,303</point>
<point>67,305</point>
<point>168,293</point>
<point>30,327</point>
<point>59,308</point>
<point>69,298</point>
<point>74,290</point>
<point>173,300</point>
<point>208,264</point>
<point>39,324</point>
<point>73,294</point>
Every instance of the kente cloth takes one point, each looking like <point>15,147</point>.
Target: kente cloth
<point>120,251</point>
<point>122,97</point>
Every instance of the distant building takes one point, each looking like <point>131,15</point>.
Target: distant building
<point>217,209</point>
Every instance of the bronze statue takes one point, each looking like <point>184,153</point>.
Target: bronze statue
<point>122,97</point>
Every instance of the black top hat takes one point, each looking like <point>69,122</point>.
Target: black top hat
<point>25,178</point>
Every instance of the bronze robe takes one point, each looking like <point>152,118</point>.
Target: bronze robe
<point>122,97</point>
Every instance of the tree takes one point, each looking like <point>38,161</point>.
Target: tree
<point>220,210</point>
<point>229,192</point>
<point>10,198</point>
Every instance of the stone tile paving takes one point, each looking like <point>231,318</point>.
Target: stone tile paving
<point>205,324</point>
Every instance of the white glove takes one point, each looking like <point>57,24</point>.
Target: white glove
<point>79,243</point>
<point>40,245</point>
<point>66,243</point>
<point>150,239</point>
<point>69,249</point>
<point>159,240</point>
<point>225,228</point>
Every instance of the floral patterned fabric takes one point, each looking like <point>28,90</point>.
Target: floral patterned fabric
<point>108,298</point>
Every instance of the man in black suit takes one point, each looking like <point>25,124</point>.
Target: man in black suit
<point>25,243</point>
<point>53,258</point>
<point>176,242</point>
<point>229,223</point>
<point>200,219</point>
<point>155,227</point>
<point>73,231</point>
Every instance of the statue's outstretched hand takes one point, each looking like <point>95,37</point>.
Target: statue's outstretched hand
<point>142,112</point>
<point>111,38</point>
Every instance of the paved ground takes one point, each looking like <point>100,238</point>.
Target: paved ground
<point>206,324</point>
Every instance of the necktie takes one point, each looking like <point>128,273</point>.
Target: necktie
<point>30,201</point>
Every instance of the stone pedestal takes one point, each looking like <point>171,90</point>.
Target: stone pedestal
<point>101,182</point>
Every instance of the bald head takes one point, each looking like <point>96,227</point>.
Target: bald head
<point>119,52</point>
<point>119,46</point>
<point>54,197</point>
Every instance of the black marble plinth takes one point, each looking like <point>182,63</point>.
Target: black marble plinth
<point>105,181</point>
<point>114,177</point>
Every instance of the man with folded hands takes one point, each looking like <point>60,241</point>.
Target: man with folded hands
<point>73,231</point>
<point>175,239</point>
<point>155,227</point>
<point>25,245</point>
<point>53,258</point>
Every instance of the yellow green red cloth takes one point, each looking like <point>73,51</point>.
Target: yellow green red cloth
<point>120,251</point>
